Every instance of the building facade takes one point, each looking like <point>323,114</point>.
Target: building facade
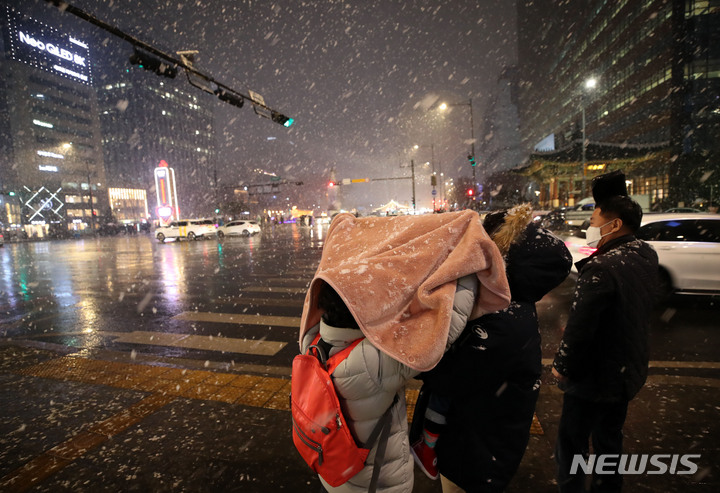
<point>631,85</point>
<point>146,120</point>
<point>52,177</point>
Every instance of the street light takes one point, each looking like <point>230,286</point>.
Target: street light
<point>432,164</point>
<point>443,107</point>
<point>589,85</point>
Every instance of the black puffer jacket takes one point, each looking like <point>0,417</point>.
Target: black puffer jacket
<point>492,376</point>
<point>604,350</point>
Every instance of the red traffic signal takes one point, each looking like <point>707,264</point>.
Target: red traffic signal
<point>331,184</point>
<point>470,192</point>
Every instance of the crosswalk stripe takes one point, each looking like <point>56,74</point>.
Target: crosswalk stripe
<point>272,289</point>
<point>206,343</point>
<point>243,301</point>
<point>236,318</point>
<point>287,280</point>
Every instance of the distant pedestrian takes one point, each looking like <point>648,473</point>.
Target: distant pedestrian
<point>490,379</point>
<point>602,361</point>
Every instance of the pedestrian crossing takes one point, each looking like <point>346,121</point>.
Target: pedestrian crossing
<point>292,298</point>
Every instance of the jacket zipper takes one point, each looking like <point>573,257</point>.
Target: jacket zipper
<point>309,442</point>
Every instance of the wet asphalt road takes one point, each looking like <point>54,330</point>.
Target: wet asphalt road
<point>235,305</point>
<point>83,292</point>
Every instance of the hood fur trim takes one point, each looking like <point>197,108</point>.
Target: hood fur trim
<point>513,227</point>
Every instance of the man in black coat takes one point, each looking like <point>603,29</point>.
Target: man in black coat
<point>602,361</point>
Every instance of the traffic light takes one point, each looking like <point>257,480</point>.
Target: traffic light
<point>470,192</point>
<point>228,97</point>
<point>331,184</point>
<point>217,210</point>
<point>471,158</point>
<point>283,120</point>
<point>149,62</point>
<point>12,194</point>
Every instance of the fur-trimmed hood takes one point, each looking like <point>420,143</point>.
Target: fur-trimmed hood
<point>536,260</point>
<point>513,227</point>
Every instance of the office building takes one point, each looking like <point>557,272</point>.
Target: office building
<point>641,81</point>
<point>52,178</point>
<point>147,119</point>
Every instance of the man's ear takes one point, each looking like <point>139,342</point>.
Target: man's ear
<point>620,224</point>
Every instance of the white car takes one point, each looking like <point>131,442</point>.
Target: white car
<point>241,227</point>
<point>191,229</point>
<point>688,248</point>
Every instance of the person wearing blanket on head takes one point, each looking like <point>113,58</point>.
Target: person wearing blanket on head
<point>410,283</point>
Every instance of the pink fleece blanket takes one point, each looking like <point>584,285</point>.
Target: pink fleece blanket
<point>398,277</point>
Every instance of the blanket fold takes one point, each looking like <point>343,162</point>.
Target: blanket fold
<point>398,276</point>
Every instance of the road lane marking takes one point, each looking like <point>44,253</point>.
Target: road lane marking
<point>205,343</point>
<point>709,365</point>
<point>657,380</point>
<point>239,318</point>
<point>685,364</point>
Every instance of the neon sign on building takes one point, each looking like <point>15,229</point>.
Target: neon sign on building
<point>167,203</point>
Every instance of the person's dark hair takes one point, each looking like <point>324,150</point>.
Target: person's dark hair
<point>624,208</point>
<point>493,221</point>
<point>336,311</point>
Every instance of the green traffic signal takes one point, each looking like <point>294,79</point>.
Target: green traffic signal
<point>148,62</point>
<point>283,120</point>
<point>471,158</point>
<point>217,211</point>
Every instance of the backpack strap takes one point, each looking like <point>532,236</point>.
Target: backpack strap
<point>323,350</point>
<point>384,424</point>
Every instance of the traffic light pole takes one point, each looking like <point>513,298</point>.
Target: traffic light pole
<point>412,173</point>
<point>472,144</point>
<point>223,90</point>
<point>471,157</point>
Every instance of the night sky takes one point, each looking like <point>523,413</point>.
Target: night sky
<point>359,77</point>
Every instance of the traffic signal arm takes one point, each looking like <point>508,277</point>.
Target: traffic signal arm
<point>151,58</point>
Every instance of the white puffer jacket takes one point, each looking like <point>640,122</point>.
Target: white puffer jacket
<point>367,381</point>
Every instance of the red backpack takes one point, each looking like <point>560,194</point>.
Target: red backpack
<point>320,432</point>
